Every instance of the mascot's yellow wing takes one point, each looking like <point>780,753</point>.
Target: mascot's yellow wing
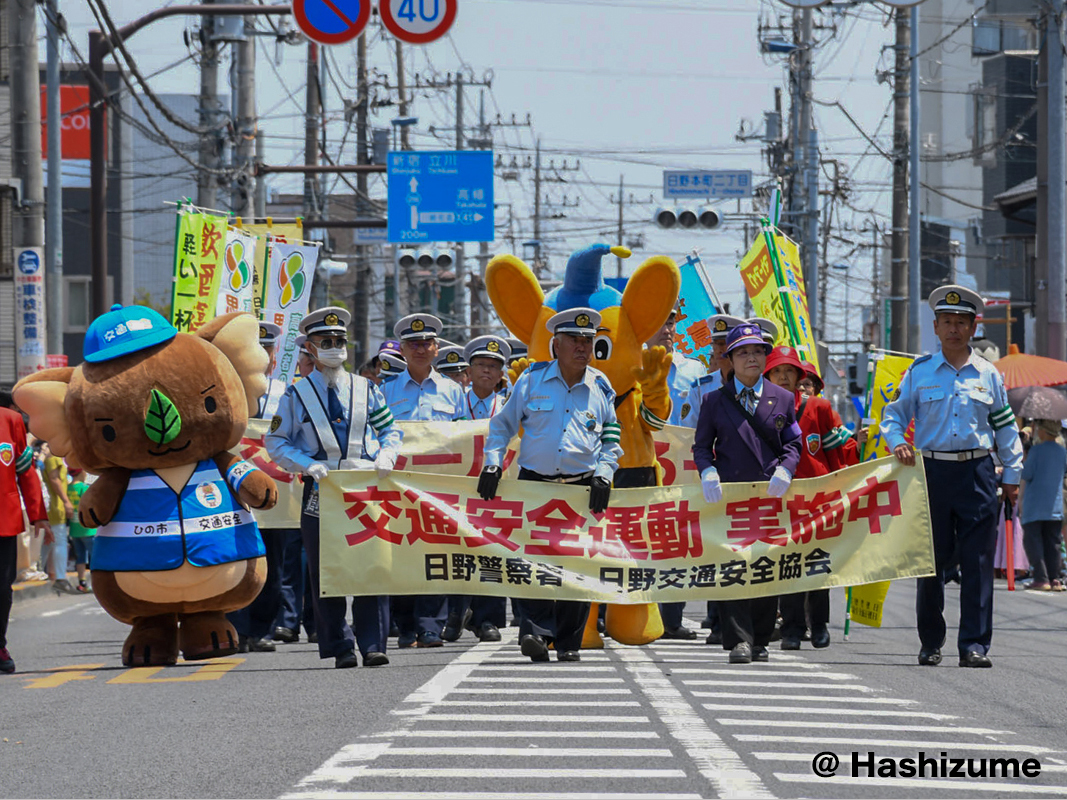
<point>515,294</point>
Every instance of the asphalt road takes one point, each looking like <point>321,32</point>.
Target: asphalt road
<point>671,720</point>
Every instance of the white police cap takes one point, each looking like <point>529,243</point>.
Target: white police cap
<point>575,321</point>
<point>450,359</point>
<point>770,330</point>
<point>722,324</point>
<point>331,319</point>
<point>954,299</point>
<point>489,347</point>
<point>415,327</point>
<point>301,342</point>
<point>392,364</point>
<point>269,333</point>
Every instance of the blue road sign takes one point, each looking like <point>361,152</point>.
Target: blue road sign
<point>441,196</point>
<point>696,183</point>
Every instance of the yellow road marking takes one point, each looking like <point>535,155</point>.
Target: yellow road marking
<point>62,675</point>
<point>211,671</point>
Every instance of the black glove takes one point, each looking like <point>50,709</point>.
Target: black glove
<point>488,481</point>
<point>599,494</point>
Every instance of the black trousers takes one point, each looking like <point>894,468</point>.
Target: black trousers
<point>794,618</point>
<point>751,620</point>
<point>559,621</point>
<point>256,620</point>
<point>9,554</point>
<point>1041,540</point>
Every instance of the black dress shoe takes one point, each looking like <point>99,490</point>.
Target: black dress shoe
<point>706,623</point>
<point>759,653</point>
<point>534,648</point>
<point>929,658</point>
<point>261,646</point>
<point>600,626</point>
<point>346,661</point>
<point>681,632</point>
<point>715,637</point>
<point>454,626</point>
<point>776,634</point>
<point>394,629</point>
<point>488,632</point>
<point>313,638</point>
<point>820,639</point>
<point>287,635</point>
<point>375,659</point>
<point>790,643</point>
<point>569,655</point>
<point>430,639</point>
<point>405,640</point>
<point>242,644</point>
<point>741,654</point>
<point>972,658</point>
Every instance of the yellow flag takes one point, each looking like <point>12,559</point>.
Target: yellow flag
<point>888,372</point>
<point>867,603</point>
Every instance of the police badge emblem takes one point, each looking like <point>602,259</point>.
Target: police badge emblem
<point>814,442</point>
<point>275,423</point>
<point>493,347</point>
<point>582,320</point>
<point>452,358</point>
<point>685,410</point>
<point>779,421</point>
<point>418,326</point>
<point>331,319</point>
<point>952,298</point>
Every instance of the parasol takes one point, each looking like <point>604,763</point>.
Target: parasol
<point>1021,369</point>
<point>1038,402</point>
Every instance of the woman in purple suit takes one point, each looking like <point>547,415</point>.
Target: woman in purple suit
<point>747,433</point>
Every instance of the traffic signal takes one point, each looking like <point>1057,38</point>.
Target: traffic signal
<point>405,259</point>
<point>685,217</point>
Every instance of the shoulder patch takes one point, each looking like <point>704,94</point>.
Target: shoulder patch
<point>921,359</point>
<point>605,386</point>
<point>537,365</point>
<point>275,423</point>
<point>705,379</point>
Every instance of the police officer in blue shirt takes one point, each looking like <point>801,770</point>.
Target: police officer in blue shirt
<point>721,325</point>
<point>335,420</point>
<point>488,356</point>
<point>570,435</point>
<point>419,394</point>
<point>961,413</point>
<point>451,363</point>
<point>268,340</point>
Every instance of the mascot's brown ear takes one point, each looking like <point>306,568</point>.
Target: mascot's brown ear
<point>237,336</point>
<point>651,293</point>
<point>43,396</point>
<point>515,294</point>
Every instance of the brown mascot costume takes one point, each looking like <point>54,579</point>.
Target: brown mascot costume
<point>153,413</point>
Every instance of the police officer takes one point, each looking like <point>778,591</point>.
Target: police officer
<point>392,365</point>
<point>769,329</point>
<point>451,363</point>
<point>335,420</point>
<point>268,340</point>
<point>255,622</point>
<point>721,325</point>
<point>571,435</point>
<point>961,413</point>
<point>419,394</point>
<point>488,355</point>
<point>747,433</point>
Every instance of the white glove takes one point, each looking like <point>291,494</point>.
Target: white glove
<point>780,481</point>
<point>384,463</point>
<point>317,471</point>
<point>709,482</point>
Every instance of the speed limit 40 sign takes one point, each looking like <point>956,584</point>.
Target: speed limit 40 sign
<point>417,21</point>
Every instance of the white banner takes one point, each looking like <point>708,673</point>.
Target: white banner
<point>290,268</point>
<point>236,290</point>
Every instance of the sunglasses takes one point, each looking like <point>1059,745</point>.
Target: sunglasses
<point>329,343</point>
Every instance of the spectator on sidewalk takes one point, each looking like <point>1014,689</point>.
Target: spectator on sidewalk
<point>81,537</point>
<point>1041,512</point>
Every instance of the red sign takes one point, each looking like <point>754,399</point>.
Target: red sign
<point>55,360</point>
<point>74,114</point>
<point>418,21</point>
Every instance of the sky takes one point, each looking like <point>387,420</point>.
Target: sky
<point>628,87</point>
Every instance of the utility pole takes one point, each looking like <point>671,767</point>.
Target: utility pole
<point>260,205</point>
<point>361,304</point>
<point>807,193</point>
<point>537,210</point>
<point>899,268</point>
<point>206,179</point>
<point>244,121</point>
<point>459,302</point>
<point>53,251</point>
<point>1040,289</point>
<point>1057,189</point>
<point>914,229</point>
<point>618,240</point>
<point>402,97</point>
<point>311,159</point>
<point>28,219</point>
<point>476,278</point>
<point>876,299</point>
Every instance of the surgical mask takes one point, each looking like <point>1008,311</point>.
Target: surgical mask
<point>333,357</point>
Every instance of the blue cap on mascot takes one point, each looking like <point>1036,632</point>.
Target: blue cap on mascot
<point>583,283</point>
<point>122,331</point>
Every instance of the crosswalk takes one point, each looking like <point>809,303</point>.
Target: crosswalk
<point>670,720</point>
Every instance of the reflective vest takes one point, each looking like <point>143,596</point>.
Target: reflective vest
<point>330,451</point>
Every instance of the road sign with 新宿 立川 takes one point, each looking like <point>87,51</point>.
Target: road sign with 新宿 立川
<point>440,196</point>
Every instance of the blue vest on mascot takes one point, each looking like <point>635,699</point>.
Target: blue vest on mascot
<point>156,529</point>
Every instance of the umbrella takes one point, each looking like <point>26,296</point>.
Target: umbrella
<point>1038,402</point>
<point>1020,369</point>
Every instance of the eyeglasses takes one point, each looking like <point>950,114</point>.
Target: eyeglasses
<point>420,344</point>
<point>329,343</point>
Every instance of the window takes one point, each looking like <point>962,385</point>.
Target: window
<point>77,303</point>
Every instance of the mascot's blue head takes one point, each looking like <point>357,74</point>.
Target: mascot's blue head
<point>583,283</point>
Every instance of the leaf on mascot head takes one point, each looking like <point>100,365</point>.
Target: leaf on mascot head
<point>162,422</point>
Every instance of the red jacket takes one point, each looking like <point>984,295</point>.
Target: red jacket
<point>17,477</point>
<point>825,444</point>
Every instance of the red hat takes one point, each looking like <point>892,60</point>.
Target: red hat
<point>784,355</point>
<point>813,373</point>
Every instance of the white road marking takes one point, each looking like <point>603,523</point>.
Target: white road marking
<point>889,701</point>
<point>334,794</point>
<point>750,669</point>
<point>951,786</point>
<point>449,734</point>
<point>556,718</point>
<point>535,751</point>
<point>721,767</point>
<point>556,669</point>
<point>556,679</point>
<point>582,690</point>
<point>822,742</point>
<point>545,703</point>
<point>853,687</point>
<point>848,712</point>
<point>548,772</point>
<point>64,610</point>
<point>872,726</point>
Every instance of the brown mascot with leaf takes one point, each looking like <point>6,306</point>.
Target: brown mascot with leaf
<point>154,413</point>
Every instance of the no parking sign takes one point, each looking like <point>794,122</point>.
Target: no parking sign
<point>417,21</point>
<point>331,21</point>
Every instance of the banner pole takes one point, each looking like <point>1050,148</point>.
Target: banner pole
<point>848,610</point>
<point>872,365</point>
<point>779,279</point>
<point>705,279</point>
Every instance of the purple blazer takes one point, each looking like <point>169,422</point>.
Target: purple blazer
<point>726,440</point>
